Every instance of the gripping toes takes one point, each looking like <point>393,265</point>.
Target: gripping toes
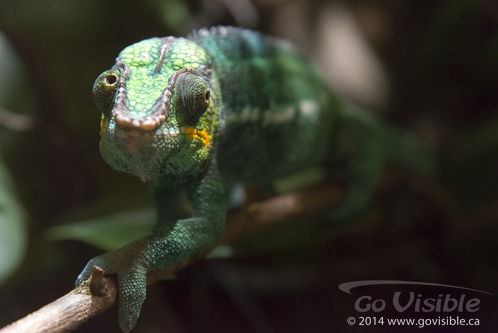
<point>106,261</point>
<point>87,271</point>
<point>132,292</point>
<point>131,280</point>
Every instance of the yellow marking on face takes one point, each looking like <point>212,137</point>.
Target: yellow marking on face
<point>103,124</point>
<point>195,134</point>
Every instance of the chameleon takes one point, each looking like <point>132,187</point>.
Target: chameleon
<point>193,116</point>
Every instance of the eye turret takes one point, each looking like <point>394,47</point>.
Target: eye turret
<point>193,97</point>
<point>104,89</point>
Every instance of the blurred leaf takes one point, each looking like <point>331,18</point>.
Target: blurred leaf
<point>13,235</point>
<point>108,232</point>
<point>15,91</point>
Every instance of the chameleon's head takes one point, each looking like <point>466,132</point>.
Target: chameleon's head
<point>158,109</point>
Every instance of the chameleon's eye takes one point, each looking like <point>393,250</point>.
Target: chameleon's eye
<point>104,89</point>
<point>193,97</point>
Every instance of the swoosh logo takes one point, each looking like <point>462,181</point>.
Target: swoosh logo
<point>347,286</point>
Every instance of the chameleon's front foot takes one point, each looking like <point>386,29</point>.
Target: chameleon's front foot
<point>131,282</point>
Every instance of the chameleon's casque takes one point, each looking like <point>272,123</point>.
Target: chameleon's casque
<point>194,116</point>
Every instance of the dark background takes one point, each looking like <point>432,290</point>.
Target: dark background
<point>429,66</point>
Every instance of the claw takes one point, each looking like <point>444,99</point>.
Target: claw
<point>78,281</point>
<point>81,277</point>
<point>85,273</point>
<point>126,324</point>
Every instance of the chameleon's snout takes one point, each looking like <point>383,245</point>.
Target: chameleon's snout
<point>144,124</point>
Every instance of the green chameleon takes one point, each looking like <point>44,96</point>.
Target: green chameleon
<point>194,116</point>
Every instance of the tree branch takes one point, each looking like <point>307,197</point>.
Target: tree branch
<point>99,292</point>
<point>71,310</point>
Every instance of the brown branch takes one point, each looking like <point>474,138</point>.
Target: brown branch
<point>71,310</point>
<point>98,293</point>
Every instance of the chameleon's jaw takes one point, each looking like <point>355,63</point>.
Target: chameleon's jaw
<point>134,141</point>
<point>151,154</point>
<point>135,151</point>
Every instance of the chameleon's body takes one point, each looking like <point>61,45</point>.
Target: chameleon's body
<point>193,116</point>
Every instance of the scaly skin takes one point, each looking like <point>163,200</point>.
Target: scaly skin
<point>192,116</point>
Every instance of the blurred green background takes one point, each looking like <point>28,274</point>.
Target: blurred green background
<point>429,66</point>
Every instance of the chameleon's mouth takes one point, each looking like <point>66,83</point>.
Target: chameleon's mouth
<point>148,154</point>
<point>136,141</point>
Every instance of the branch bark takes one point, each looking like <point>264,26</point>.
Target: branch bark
<point>99,292</point>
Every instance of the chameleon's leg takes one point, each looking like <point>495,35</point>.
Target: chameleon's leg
<point>172,242</point>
